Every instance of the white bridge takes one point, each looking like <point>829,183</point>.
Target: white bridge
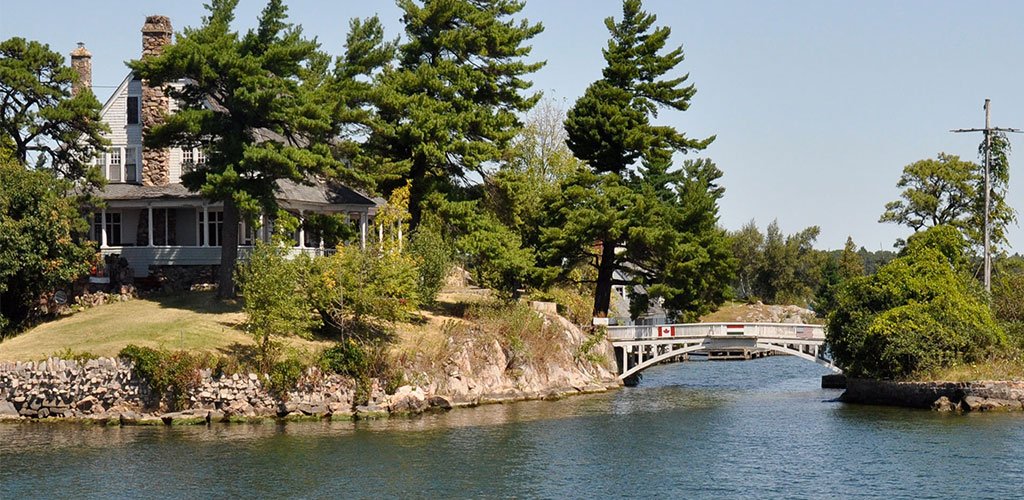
<point>642,346</point>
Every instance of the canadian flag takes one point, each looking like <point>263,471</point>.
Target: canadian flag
<point>666,331</point>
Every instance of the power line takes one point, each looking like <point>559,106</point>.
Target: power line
<point>988,183</point>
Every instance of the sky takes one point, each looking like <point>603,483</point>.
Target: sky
<point>816,105</point>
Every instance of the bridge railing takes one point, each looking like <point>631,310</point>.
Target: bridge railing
<point>702,330</point>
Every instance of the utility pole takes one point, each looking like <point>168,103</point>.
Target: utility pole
<point>988,184</point>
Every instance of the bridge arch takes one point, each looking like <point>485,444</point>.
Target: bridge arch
<point>640,347</point>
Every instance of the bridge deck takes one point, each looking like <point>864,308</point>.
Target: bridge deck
<point>639,347</point>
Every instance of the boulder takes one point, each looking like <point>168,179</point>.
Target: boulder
<point>439,403</point>
<point>944,404</point>
<point>8,411</point>
<point>408,399</point>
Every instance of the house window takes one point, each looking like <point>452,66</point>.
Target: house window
<point>215,230</point>
<point>131,164</point>
<point>113,224</point>
<point>133,110</point>
<point>190,158</point>
<point>114,165</point>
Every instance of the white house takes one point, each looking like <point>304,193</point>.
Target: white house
<point>150,218</point>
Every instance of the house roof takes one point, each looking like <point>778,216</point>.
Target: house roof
<point>320,193</point>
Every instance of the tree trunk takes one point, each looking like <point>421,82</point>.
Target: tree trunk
<point>228,251</point>
<point>605,274</point>
<point>417,191</point>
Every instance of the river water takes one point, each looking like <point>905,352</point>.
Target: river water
<point>752,429</point>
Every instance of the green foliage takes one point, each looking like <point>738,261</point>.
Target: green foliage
<point>778,268</point>
<point>493,252</point>
<point>586,349</point>
<point>950,191</point>
<point>434,259</point>
<point>364,362</point>
<point>170,375</point>
<point>1001,214</point>
<point>263,106</point>
<point>918,313</point>
<point>69,354</point>
<point>655,225</point>
<point>284,376</point>
<point>450,105</point>
<point>276,303</point>
<point>48,126</point>
<point>42,243</point>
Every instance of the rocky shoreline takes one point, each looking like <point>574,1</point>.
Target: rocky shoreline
<point>990,395</point>
<point>475,371</point>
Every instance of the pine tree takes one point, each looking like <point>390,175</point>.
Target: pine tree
<point>260,104</point>
<point>450,105</point>
<point>650,226</point>
<point>48,127</point>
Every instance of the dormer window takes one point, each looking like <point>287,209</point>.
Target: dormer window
<point>133,110</point>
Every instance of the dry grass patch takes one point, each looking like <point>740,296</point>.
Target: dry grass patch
<point>192,321</point>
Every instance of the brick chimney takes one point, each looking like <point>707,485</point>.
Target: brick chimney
<point>156,163</point>
<point>81,62</point>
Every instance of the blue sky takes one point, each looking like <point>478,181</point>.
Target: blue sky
<point>817,105</point>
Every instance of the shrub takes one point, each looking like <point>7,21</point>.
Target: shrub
<point>919,312</point>
<point>277,302</point>
<point>353,290</point>
<point>433,257</point>
<point>169,375</point>
<point>71,355</point>
<point>285,375</point>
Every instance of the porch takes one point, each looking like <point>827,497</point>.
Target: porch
<point>141,258</point>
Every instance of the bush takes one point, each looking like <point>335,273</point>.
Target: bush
<point>169,375</point>
<point>363,362</point>
<point>353,290</point>
<point>433,257</point>
<point>277,302</point>
<point>285,376</point>
<point>920,312</point>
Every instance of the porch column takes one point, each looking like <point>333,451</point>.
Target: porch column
<point>103,228</point>
<point>149,213</point>
<point>206,225</point>
<point>302,229</point>
<point>197,225</point>
<point>362,230</point>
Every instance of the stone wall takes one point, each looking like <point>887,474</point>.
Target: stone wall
<point>107,390</point>
<point>183,278</point>
<point>942,396</point>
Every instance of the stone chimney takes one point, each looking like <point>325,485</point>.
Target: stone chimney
<point>81,62</point>
<point>156,163</point>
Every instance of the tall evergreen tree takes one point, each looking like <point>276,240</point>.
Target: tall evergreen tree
<point>48,126</point>
<point>648,227</point>
<point>260,105</point>
<point>449,106</point>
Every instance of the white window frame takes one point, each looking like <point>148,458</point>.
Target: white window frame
<point>114,163</point>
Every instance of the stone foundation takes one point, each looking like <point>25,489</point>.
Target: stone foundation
<point>181,278</point>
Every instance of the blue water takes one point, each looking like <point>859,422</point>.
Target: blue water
<point>753,429</point>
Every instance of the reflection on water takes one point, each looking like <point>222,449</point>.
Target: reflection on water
<point>759,428</point>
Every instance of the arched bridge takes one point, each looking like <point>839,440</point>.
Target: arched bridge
<point>639,347</point>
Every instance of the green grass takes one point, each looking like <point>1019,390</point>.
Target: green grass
<point>192,321</point>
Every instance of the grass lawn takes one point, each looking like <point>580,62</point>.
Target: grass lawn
<point>193,321</point>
